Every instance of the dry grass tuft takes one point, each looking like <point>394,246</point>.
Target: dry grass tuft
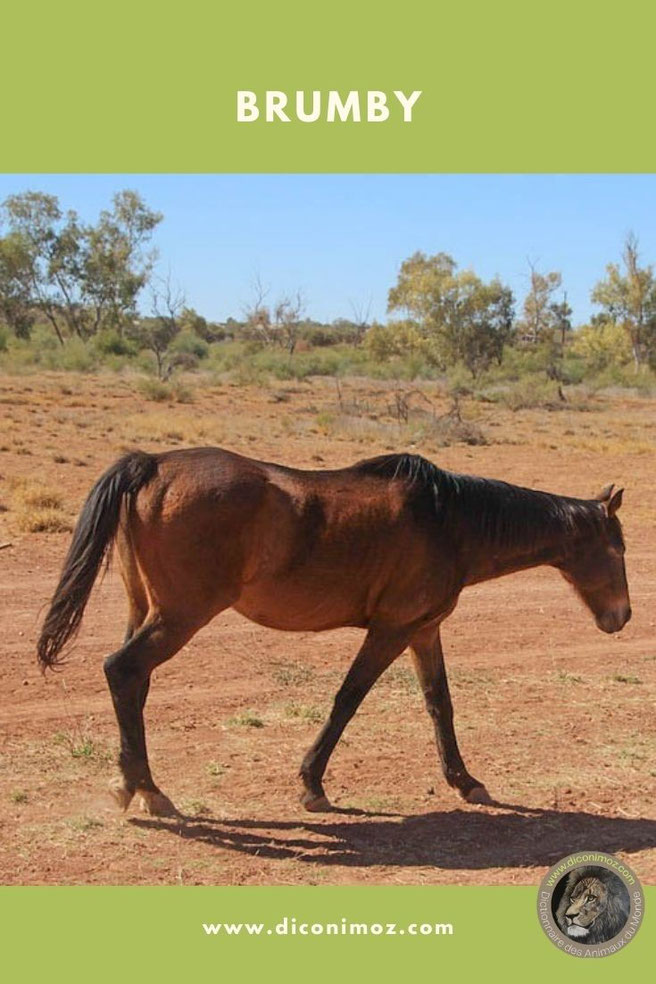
<point>43,521</point>
<point>38,508</point>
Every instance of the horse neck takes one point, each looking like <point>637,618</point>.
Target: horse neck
<point>495,541</point>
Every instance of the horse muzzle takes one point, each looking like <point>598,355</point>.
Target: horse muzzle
<point>614,619</point>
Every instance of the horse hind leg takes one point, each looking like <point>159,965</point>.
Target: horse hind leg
<point>135,589</point>
<point>136,618</point>
<point>128,674</point>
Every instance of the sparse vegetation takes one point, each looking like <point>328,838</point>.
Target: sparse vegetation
<point>304,712</point>
<point>83,825</point>
<point>217,769</point>
<point>195,808</point>
<point>625,678</point>
<point>563,676</point>
<point>292,674</point>
<point>247,719</point>
<point>402,679</point>
<point>81,746</point>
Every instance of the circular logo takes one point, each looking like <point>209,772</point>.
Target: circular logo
<point>590,904</point>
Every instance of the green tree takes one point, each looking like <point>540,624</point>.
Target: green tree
<point>117,266</point>
<point>484,326</point>
<point>556,342</point>
<point>541,316</point>
<point>16,308</point>
<point>80,277</point>
<point>462,318</point>
<point>45,245</point>
<point>395,339</point>
<point>627,297</point>
<point>191,320</point>
<point>602,344</point>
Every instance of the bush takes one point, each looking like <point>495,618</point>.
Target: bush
<point>642,380</point>
<point>181,392</point>
<point>188,343</point>
<point>161,392</point>
<point>111,343</point>
<point>154,389</point>
<point>574,369</point>
<point>75,355</point>
<point>530,393</point>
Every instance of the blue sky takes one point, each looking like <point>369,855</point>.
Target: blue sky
<point>341,238</point>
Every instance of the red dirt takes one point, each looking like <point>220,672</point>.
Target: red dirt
<point>555,717</point>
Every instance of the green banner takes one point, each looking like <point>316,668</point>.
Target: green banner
<point>505,86</point>
<point>294,934</point>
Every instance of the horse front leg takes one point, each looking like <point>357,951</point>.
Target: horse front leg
<point>428,659</point>
<point>380,648</point>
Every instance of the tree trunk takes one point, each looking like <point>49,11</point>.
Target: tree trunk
<point>54,324</point>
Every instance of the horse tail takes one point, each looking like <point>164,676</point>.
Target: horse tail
<point>93,536</point>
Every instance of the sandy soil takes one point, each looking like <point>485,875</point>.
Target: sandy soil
<point>557,718</point>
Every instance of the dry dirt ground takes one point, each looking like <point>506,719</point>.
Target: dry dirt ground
<point>555,717</point>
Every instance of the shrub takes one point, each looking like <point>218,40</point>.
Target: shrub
<point>189,343</point>
<point>182,392</point>
<point>154,389</point>
<point>111,343</point>
<point>624,377</point>
<point>528,393</point>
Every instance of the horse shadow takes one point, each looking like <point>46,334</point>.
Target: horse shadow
<point>459,839</point>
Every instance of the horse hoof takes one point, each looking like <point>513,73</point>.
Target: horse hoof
<point>156,804</point>
<point>478,794</point>
<point>315,804</point>
<point>119,793</point>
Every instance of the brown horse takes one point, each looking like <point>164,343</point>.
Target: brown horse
<point>386,545</point>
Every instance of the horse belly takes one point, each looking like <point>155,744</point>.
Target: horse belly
<point>292,607</point>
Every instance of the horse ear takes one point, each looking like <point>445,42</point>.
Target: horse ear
<point>606,493</point>
<point>614,503</point>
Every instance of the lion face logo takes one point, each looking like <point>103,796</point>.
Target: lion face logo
<point>587,902</point>
<point>594,906</point>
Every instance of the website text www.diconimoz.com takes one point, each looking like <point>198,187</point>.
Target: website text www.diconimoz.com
<point>291,926</point>
<point>576,859</point>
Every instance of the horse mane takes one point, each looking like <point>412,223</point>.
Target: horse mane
<point>505,514</point>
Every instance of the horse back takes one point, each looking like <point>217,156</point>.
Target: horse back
<point>288,548</point>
